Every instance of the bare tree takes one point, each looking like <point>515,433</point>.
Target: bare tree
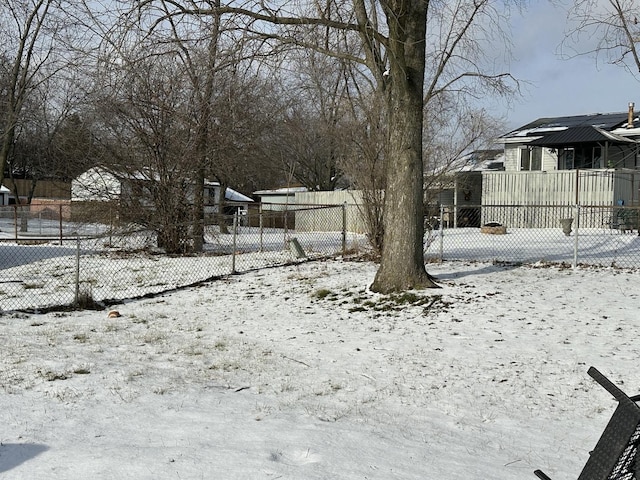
<point>607,30</point>
<point>454,130</point>
<point>364,165</point>
<point>147,131</point>
<point>392,37</point>
<point>229,98</point>
<point>246,109</point>
<point>53,141</point>
<point>30,31</point>
<point>316,120</point>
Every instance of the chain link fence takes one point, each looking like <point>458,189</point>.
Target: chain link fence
<point>48,261</point>
<point>574,235</point>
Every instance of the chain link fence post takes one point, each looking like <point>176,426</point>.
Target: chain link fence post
<point>261,227</point>
<point>441,235</point>
<point>285,238</point>
<point>15,221</point>
<point>60,230</point>
<point>577,234</point>
<point>344,229</point>
<point>234,243</point>
<point>77,270</point>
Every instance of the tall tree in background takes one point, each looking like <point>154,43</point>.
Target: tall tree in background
<point>231,103</point>
<point>29,31</point>
<point>246,109</point>
<point>146,128</point>
<point>316,120</point>
<point>52,143</point>
<point>609,30</point>
<point>392,40</point>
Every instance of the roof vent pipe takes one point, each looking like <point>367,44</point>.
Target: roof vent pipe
<point>630,117</point>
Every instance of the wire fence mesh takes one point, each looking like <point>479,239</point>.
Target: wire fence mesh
<point>575,235</point>
<point>48,260</point>
<point>51,261</point>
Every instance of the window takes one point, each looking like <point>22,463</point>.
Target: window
<point>598,161</point>
<point>531,158</point>
<point>536,158</point>
<point>566,159</point>
<point>525,160</point>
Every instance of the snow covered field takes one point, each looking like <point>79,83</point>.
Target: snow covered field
<point>301,373</point>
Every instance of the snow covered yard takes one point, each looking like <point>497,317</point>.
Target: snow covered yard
<point>301,373</point>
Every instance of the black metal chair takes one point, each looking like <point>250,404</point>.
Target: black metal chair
<point>615,456</point>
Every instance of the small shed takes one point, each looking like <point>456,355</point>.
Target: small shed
<point>279,199</point>
<point>4,195</point>
<point>234,201</point>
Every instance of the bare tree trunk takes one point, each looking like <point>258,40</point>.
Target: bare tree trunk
<point>203,133</point>
<point>21,78</point>
<point>402,261</point>
<point>197,229</point>
<point>5,147</point>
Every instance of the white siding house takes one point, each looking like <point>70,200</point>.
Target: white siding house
<point>589,160</point>
<point>279,199</point>
<point>101,185</point>
<point>95,185</point>
<point>4,195</point>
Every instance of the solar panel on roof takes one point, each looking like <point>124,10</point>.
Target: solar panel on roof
<point>606,121</point>
<point>577,135</point>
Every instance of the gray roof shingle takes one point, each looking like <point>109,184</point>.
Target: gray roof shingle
<point>577,135</point>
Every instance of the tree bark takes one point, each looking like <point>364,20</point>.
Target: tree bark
<point>203,132</point>
<point>402,260</point>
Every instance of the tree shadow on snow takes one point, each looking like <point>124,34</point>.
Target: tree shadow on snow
<point>479,269</point>
<point>13,454</point>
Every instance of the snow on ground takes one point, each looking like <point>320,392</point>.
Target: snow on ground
<point>300,372</point>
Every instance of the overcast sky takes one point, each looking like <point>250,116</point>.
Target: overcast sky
<point>560,87</point>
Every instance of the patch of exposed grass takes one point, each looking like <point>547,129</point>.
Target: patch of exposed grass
<point>362,301</point>
<point>323,293</point>
<point>220,345</point>
<point>357,309</point>
<point>81,337</point>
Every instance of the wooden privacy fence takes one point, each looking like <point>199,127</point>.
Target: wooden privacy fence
<point>603,187</point>
<point>550,216</point>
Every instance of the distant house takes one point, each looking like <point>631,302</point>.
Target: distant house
<point>596,141</point>
<point>589,160</point>
<point>278,199</point>
<point>4,195</point>
<point>584,159</point>
<point>99,185</point>
<point>461,186</point>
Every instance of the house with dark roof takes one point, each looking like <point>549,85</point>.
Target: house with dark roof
<point>575,142</point>
<point>587,160</point>
<point>556,164</point>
